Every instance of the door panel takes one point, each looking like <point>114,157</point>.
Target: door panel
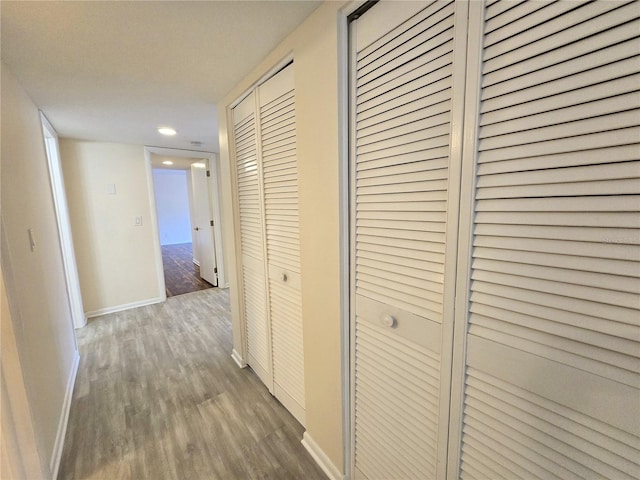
<point>551,371</point>
<point>249,198</point>
<point>280,177</point>
<point>403,115</point>
<point>267,187</point>
<point>204,233</point>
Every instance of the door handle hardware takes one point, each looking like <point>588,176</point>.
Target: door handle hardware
<point>389,321</point>
<point>283,277</point>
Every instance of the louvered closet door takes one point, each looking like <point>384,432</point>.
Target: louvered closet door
<point>250,202</point>
<point>400,186</point>
<point>552,368</point>
<point>279,164</point>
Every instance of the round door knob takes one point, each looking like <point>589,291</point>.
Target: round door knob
<point>283,277</point>
<point>389,321</point>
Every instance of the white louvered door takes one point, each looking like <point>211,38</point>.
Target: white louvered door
<point>277,114</point>
<point>404,173</point>
<point>251,220</point>
<point>267,201</point>
<point>551,374</point>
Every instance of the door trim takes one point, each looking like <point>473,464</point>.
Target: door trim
<point>345,121</point>
<point>214,196</point>
<point>63,225</point>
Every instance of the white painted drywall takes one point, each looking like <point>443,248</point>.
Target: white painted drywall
<point>35,279</point>
<point>172,206</point>
<point>107,187</point>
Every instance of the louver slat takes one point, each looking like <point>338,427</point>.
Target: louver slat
<point>556,251</point>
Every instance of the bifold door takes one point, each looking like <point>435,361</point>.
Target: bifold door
<point>532,233</point>
<point>267,179</point>
<point>252,244</point>
<point>404,173</point>
<point>280,177</point>
<point>551,376</point>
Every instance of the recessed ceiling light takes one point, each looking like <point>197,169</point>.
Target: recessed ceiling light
<point>199,165</point>
<point>167,131</point>
<point>167,162</point>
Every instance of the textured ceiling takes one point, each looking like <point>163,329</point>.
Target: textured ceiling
<point>115,71</point>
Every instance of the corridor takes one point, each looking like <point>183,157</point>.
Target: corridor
<point>158,396</point>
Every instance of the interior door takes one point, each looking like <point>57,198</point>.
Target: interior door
<point>203,229</point>
<point>551,371</point>
<point>404,187</point>
<point>252,239</point>
<point>277,114</point>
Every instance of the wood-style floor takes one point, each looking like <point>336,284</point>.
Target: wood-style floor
<point>158,397</point>
<point>181,275</point>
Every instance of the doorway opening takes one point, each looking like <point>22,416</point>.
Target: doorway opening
<point>185,222</point>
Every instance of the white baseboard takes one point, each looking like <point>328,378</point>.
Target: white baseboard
<point>56,455</point>
<point>321,458</point>
<point>238,359</point>
<point>126,306</point>
<point>83,322</point>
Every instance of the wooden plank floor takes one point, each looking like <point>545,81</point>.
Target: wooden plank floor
<point>158,396</point>
<point>181,275</point>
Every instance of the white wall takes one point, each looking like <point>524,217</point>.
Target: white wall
<point>35,280</point>
<point>116,259</point>
<point>315,51</point>
<point>172,205</point>
<point>20,457</point>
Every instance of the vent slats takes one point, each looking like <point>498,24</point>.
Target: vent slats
<point>251,238</point>
<point>411,436</point>
<point>555,270</point>
<point>281,185</point>
<point>280,182</point>
<point>402,135</point>
<point>267,200</point>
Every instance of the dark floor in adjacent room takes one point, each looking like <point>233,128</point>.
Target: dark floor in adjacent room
<point>158,397</point>
<point>181,275</point>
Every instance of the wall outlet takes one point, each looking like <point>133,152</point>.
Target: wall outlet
<point>137,221</point>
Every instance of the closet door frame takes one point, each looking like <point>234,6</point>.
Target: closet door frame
<point>346,100</point>
<point>242,357</point>
<point>457,229</point>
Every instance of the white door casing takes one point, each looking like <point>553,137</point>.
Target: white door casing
<point>63,222</point>
<point>214,195</point>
